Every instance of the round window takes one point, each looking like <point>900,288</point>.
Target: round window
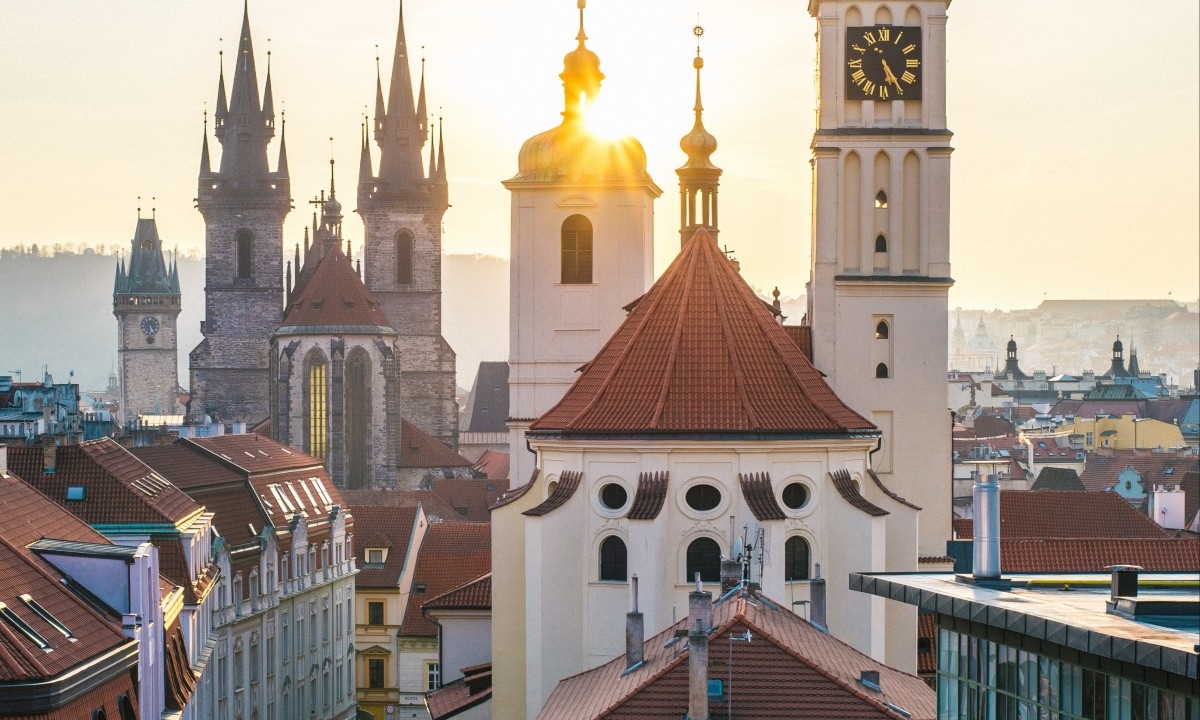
<point>795,495</point>
<point>703,498</point>
<point>613,496</point>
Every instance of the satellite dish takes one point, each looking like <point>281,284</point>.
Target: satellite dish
<point>738,547</point>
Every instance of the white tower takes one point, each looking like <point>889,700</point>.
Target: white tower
<point>881,242</point>
<point>582,248</point>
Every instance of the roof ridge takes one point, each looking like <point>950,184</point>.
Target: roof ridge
<point>739,380</point>
<point>673,356</point>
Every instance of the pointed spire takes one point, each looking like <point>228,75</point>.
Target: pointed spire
<point>117,284</point>
<point>297,261</point>
<point>581,74</point>
<point>441,165</point>
<point>268,108</point>
<point>422,117</point>
<point>433,159</point>
<point>289,280</point>
<point>400,132</point>
<point>365,171</point>
<point>380,108</point>
<point>698,178</point>
<point>205,165</point>
<point>222,113</point>
<point>281,168</point>
<point>244,158</point>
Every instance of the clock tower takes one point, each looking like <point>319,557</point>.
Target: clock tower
<point>877,300</point>
<point>146,303</point>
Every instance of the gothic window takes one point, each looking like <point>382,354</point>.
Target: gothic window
<point>576,251</point>
<point>245,253</point>
<point>881,199</point>
<point>316,410</point>
<point>880,243</point>
<point>881,330</point>
<point>125,708</point>
<point>404,258</point>
<point>795,559</point>
<point>614,561</point>
<point>881,370</point>
<point>358,419</point>
<point>704,557</point>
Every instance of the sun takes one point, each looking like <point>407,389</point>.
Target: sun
<point>603,120</point>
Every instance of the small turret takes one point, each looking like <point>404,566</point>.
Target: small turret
<point>698,178</point>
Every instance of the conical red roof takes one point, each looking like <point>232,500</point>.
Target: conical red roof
<point>701,353</point>
<point>333,295</point>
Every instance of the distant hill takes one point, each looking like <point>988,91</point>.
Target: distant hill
<point>58,313</point>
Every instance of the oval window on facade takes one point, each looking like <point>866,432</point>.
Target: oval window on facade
<point>795,495</point>
<point>613,496</point>
<point>703,497</point>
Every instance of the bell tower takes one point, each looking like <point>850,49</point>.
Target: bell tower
<point>880,269</point>
<point>243,203</point>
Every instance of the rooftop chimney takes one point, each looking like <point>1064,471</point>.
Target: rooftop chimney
<point>731,574</point>
<point>635,633</point>
<point>700,606</point>
<point>1124,581</point>
<point>3,460</point>
<point>986,545</point>
<point>698,672</point>
<point>816,600</point>
<point>49,450</point>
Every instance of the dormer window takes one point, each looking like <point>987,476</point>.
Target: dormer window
<point>376,556</point>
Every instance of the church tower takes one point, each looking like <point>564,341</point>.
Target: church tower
<point>582,247</point>
<point>243,203</point>
<point>146,301</point>
<point>880,245</point>
<point>401,209</point>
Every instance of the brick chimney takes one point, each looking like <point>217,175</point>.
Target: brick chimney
<point>49,453</point>
<point>816,600</point>
<point>635,633</point>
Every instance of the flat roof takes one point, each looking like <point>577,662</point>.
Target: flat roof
<point>1039,605</point>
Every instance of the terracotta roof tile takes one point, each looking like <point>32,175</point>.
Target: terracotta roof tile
<point>650,495</point>
<point>926,644</point>
<point>473,688</point>
<point>760,496</point>
<point>494,464</point>
<point>418,449</point>
<point>474,595</point>
<point>436,508</point>
<point>1055,478</point>
<point>700,353</point>
<point>515,493</point>
<point>568,481</point>
<point>1070,555</point>
<point>470,497</point>
<point>1066,514</point>
<point>789,669</point>
<point>382,526</point>
<point>1104,467</point>
<point>334,295</point>
<point>802,336</point>
<point>253,453</point>
<point>845,487</point>
<point>451,555</point>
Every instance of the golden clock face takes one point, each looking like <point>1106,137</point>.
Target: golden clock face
<point>883,62</point>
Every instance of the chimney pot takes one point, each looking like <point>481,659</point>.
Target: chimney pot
<point>1124,581</point>
<point>986,543</point>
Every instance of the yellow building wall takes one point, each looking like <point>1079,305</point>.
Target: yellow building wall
<point>1126,432</point>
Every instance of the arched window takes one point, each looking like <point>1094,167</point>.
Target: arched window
<point>245,253</point>
<point>316,407</point>
<point>880,243</point>
<point>881,331</point>
<point>614,561</point>
<point>358,419</point>
<point>125,708</point>
<point>881,370</point>
<point>404,258</point>
<point>881,199</point>
<point>576,251</point>
<point>795,559</point>
<point>704,557</point>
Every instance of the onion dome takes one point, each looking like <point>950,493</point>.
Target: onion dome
<point>1118,346</point>
<point>1012,344</point>
<point>699,143</point>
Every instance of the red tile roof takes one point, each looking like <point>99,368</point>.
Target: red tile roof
<point>334,295</point>
<point>568,481</point>
<point>700,353</point>
<point>253,453</point>
<point>849,492</point>
<point>650,495</point>
<point>927,631</point>
<point>470,498</point>
<point>472,689</point>
<point>789,669</point>
<point>494,464</point>
<point>118,488</point>
<point>1104,467</point>
<point>418,449</point>
<point>756,488</point>
<point>1067,514</point>
<point>382,526</point>
<point>1071,555</point>
<point>451,555</point>
<point>434,505</point>
<point>474,595</point>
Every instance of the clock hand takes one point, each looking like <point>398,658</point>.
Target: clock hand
<point>890,77</point>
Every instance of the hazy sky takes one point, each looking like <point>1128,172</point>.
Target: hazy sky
<point>1076,170</point>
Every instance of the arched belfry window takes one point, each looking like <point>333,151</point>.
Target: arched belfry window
<point>881,199</point>
<point>881,370</point>
<point>316,404</point>
<point>404,258</point>
<point>880,243</point>
<point>881,330</point>
<point>704,557</point>
<point>576,251</point>
<point>614,559</point>
<point>796,559</point>
<point>244,253</point>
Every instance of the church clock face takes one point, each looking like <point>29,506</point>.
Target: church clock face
<point>883,62</point>
<point>149,326</point>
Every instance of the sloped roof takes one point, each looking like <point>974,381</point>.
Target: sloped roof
<point>474,595</point>
<point>470,497</point>
<point>118,487</point>
<point>568,481</point>
<point>494,464</point>
<point>789,669</point>
<point>849,492</point>
<point>252,453</point>
<point>472,689</point>
<point>1062,555</point>
<point>1104,467</point>
<point>451,555</point>
<point>700,353</point>
<point>1055,478</point>
<point>489,399</point>
<point>334,296</point>
<point>1066,514</point>
<point>434,505</point>
<point>419,449</point>
<point>760,497</point>
<point>384,526</point>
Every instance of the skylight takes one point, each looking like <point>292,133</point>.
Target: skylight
<point>44,614</point>
<point>23,627</point>
<point>75,492</point>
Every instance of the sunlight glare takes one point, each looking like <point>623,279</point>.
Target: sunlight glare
<point>603,120</point>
